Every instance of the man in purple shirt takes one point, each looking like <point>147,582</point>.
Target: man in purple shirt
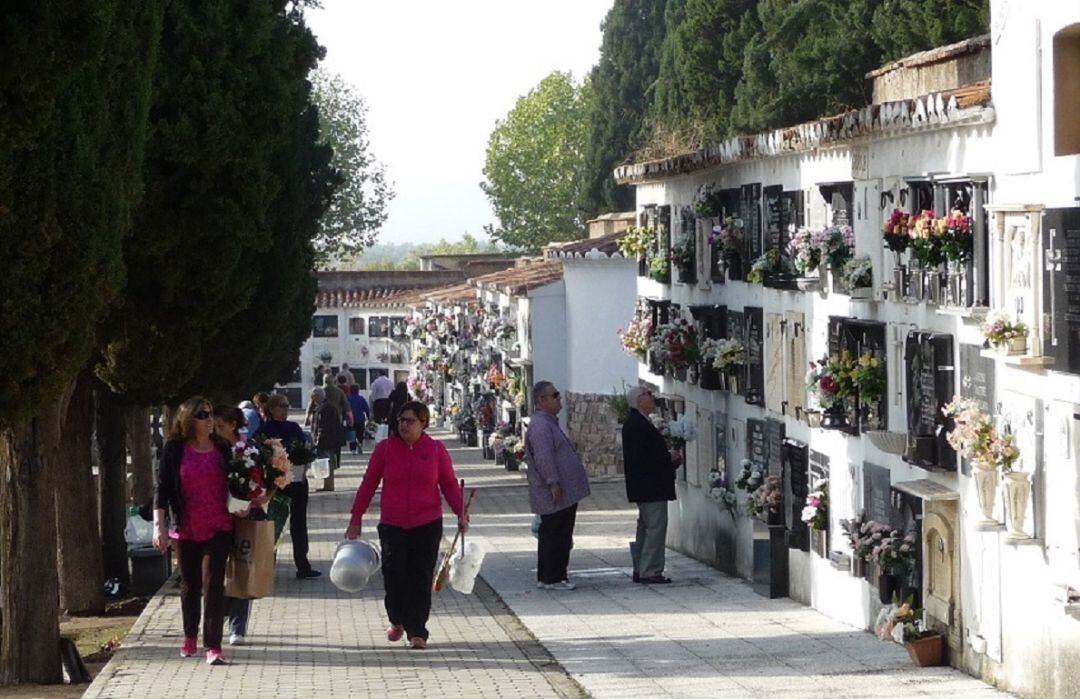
<point>557,482</point>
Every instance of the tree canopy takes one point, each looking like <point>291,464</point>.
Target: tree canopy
<point>535,165</point>
<point>358,208</point>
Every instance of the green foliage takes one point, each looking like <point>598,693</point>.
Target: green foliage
<point>536,162</point>
<point>219,270</point>
<point>621,80</point>
<point>904,27</point>
<point>358,208</point>
<point>74,85</point>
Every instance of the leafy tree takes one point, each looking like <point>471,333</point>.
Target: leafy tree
<point>534,166</point>
<point>76,76</point>
<point>621,82</point>
<point>904,27</point>
<point>358,209</point>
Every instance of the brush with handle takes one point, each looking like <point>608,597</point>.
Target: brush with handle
<point>444,569</point>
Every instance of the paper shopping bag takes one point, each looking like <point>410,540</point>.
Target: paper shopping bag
<point>249,573</point>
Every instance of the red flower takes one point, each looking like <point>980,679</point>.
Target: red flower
<point>828,384</point>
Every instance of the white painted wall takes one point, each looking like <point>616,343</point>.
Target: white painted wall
<point>600,297</point>
<point>546,314</point>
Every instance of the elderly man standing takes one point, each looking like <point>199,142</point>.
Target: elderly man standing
<point>557,482</point>
<point>650,483</point>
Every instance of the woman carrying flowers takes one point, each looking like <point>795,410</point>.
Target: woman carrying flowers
<point>192,494</point>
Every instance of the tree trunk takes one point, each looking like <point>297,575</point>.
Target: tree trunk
<point>78,541</point>
<point>29,630</point>
<point>112,485</point>
<point>142,459</point>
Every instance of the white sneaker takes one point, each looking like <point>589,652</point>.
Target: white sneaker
<point>236,640</point>
<point>564,585</point>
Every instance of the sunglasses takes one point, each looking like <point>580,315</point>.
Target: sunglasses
<point>556,394</point>
<point>203,415</point>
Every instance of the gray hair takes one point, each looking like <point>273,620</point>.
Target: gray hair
<point>539,388</point>
<point>318,394</point>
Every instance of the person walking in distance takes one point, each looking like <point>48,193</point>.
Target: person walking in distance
<point>328,433</point>
<point>192,493</point>
<point>650,483</point>
<point>413,469</point>
<point>557,482</point>
<point>360,413</point>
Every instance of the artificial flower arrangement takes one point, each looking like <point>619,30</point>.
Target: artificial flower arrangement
<point>728,235</point>
<point>857,273</point>
<point>772,262</point>
<point>805,251</point>
<point>635,340</point>
<point>638,242</point>
<point>681,430</point>
<point>726,356</point>
<point>707,202</point>
<point>514,446</point>
<point>879,543</point>
<point>768,499</point>
<point>683,251</point>
<point>927,239</point>
<point>837,245</point>
<point>720,492</point>
<point>1000,331</point>
<point>751,476</point>
<point>830,380</point>
<point>957,242</point>
<point>903,623</point>
<point>868,378</point>
<point>660,267</point>
<point>256,467</point>
<point>417,385</point>
<point>675,344</point>
<point>816,511</point>
<point>896,231</point>
<point>494,376</point>
<point>975,437</point>
<point>853,532</point>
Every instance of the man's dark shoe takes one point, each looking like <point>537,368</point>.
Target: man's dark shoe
<point>656,580</point>
<point>308,574</point>
<point>637,578</point>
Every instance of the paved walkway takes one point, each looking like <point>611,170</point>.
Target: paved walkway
<point>705,635</point>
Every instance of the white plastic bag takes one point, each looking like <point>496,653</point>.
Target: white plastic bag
<point>464,569</point>
<point>138,531</point>
<point>382,432</point>
<point>320,468</point>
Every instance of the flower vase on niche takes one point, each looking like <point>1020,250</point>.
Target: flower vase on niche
<point>857,567</point>
<point>1017,491</point>
<point>774,519</point>
<point>1017,345</point>
<point>733,266</point>
<point>510,461</point>
<point>871,417</point>
<point>834,417</point>
<point>954,295</point>
<point>899,276</point>
<point>692,374</point>
<point>886,587</point>
<point>915,283</point>
<point>986,491</point>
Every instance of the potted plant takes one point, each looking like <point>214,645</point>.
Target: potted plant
<point>660,267</point>
<point>772,265</point>
<point>925,647</point>
<point>869,379</point>
<point>683,253</point>
<point>1002,334</point>
<point>815,514</point>
<point>975,437</point>
<point>804,249</point>
<point>857,277</point>
<point>897,238</point>
<point>729,360</point>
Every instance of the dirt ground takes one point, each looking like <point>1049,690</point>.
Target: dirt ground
<point>96,637</point>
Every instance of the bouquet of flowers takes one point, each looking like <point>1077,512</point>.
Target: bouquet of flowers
<point>816,511</point>
<point>903,623</point>
<point>894,553</point>
<point>707,201</point>
<point>720,492</point>
<point>865,537</point>
<point>852,532</point>
<point>767,499</point>
<point>927,240</point>
<point>512,445</point>
<point>973,432</point>
<point>676,344</point>
<point>730,356</point>
<point>830,379</point>
<point>728,235</point>
<point>257,466</point>
<point>837,245</point>
<point>638,242</point>
<point>857,273</point>
<point>683,251</point>
<point>750,477</point>
<point>999,330</point>
<point>682,429</point>
<point>896,235</point>
<point>660,267</point>
<point>957,242</point>
<point>868,376</point>
<point>772,262</point>
<point>804,251</point>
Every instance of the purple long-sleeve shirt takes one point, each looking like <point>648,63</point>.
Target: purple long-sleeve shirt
<point>552,461</point>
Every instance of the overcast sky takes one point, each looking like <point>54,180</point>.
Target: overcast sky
<point>436,76</point>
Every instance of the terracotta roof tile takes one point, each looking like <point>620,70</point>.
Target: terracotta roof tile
<point>529,274</point>
<point>605,244</point>
<point>378,297</point>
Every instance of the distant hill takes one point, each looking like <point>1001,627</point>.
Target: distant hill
<point>404,256</point>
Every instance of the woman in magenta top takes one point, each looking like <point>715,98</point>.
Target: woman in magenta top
<point>192,495</point>
<point>413,468</point>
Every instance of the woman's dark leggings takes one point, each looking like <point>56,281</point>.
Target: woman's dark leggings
<point>202,586</point>
<point>408,567</point>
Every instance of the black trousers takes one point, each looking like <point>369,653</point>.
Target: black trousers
<point>298,496</point>
<point>202,586</point>
<point>409,557</point>
<point>556,540</point>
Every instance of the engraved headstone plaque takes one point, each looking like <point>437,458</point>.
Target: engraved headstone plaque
<point>877,498</point>
<point>750,213</point>
<point>755,356</point>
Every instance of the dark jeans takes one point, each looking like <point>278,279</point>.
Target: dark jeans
<point>408,568</point>
<point>298,495</point>
<point>556,540</point>
<point>202,584</point>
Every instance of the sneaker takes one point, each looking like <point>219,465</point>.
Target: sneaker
<point>236,639</point>
<point>308,574</point>
<point>562,585</point>
<point>214,657</point>
<point>190,647</point>
<point>395,632</point>
<point>418,643</point>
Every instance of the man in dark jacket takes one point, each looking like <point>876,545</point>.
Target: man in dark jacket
<point>650,482</point>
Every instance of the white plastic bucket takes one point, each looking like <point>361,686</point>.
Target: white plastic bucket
<point>320,468</point>
<point>354,564</point>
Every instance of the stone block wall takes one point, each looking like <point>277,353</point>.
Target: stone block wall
<point>594,432</point>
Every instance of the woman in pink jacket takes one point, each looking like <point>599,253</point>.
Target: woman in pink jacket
<point>413,468</point>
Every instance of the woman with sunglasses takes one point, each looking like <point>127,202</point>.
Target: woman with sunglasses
<point>192,494</point>
<point>413,468</point>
